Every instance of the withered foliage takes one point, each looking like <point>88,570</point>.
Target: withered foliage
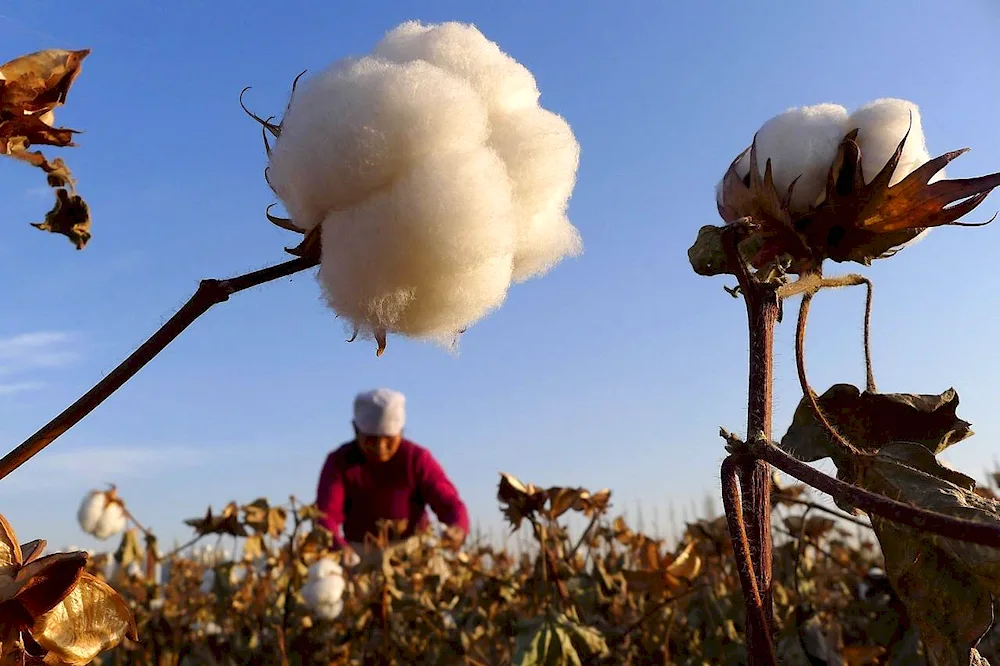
<point>52,611</point>
<point>603,594</point>
<point>948,586</point>
<point>31,87</point>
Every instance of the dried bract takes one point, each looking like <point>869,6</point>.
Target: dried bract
<point>31,87</point>
<point>870,201</point>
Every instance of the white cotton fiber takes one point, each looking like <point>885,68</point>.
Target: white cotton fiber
<point>881,125</point>
<point>436,177</point>
<point>111,522</point>
<point>324,588</point>
<point>801,143</point>
<point>90,510</point>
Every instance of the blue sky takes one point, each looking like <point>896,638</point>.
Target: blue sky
<point>615,370</point>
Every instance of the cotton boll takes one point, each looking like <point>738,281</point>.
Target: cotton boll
<point>428,257</point>
<point>541,156</point>
<point>801,143</point>
<point>112,521</point>
<point>463,50</point>
<point>324,588</point>
<point>90,510</point>
<point>356,127</point>
<point>881,125</point>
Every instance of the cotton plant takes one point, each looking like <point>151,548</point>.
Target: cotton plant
<point>816,184</point>
<point>427,179</point>
<point>102,514</point>
<point>323,588</point>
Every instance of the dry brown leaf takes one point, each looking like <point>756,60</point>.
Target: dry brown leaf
<point>70,216</point>
<point>228,522</point>
<point>520,501</point>
<point>869,421</point>
<point>92,619</point>
<point>265,519</point>
<point>39,81</point>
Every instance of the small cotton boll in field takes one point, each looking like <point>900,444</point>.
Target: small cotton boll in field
<point>881,125</point>
<point>801,143</point>
<point>91,509</point>
<point>464,51</point>
<point>324,588</point>
<point>111,522</point>
<point>357,126</point>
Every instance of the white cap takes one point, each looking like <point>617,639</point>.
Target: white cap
<point>380,412</point>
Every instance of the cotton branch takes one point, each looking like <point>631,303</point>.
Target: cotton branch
<point>210,292</point>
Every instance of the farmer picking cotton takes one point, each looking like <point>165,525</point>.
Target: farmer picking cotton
<point>381,475</point>
<point>434,176</point>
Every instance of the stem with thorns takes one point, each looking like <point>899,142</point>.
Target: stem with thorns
<point>761,299</point>
<point>209,293</point>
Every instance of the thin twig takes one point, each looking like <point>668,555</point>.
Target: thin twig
<point>658,607</point>
<point>583,537</point>
<point>928,521</point>
<point>183,546</point>
<point>209,293</point>
<point>846,448</point>
<point>819,507</point>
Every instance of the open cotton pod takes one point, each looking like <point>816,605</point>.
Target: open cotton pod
<point>426,179</point>
<point>102,514</point>
<point>818,183</point>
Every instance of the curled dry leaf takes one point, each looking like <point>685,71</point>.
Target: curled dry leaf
<point>90,620</point>
<point>519,501</point>
<point>812,527</point>
<point>69,613</point>
<point>265,519</point>
<point>869,421</point>
<point>948,586</point>
<point>39,82</point>
<point>70,216</point>
<point>671,575</point>
<point>31,87</point>
<point>228,522</point>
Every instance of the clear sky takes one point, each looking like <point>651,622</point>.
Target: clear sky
<point>614,370</point>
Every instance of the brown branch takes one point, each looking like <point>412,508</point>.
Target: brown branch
<point>762,304</point>
<point>928,521</point>
<point>757,625</point>
<point>209,293</point>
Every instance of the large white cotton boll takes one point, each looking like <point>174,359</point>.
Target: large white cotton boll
<point>542,156</point>
<point>801,143</point>
<point>881,125</point>
<point>463,50</point>
<point>357,126</point>
<point>436,177</point>
<point>427,257</point>
<point>111,522</point>
<point>90,510</point>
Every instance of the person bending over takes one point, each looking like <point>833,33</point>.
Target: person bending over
<point>380,475</point>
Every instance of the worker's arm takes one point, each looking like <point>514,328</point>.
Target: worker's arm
<point>441,495</point>
<point>330,499</point>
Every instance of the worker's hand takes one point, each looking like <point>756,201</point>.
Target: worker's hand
<point>453,537</point>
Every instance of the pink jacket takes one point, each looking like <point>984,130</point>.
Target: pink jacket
<point>355,494</point>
